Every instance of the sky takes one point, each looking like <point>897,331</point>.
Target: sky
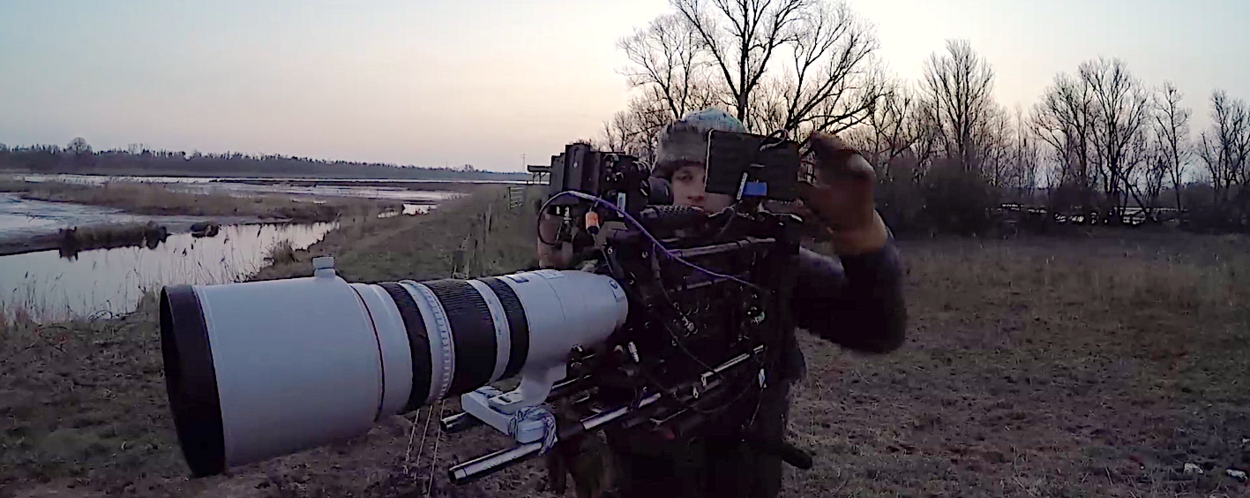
<point>490,82</point>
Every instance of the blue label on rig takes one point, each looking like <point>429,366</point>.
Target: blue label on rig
<point>755,189</point>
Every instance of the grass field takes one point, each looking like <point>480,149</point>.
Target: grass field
<point>1076,366</point>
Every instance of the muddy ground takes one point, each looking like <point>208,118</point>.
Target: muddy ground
<point>1064,366</point>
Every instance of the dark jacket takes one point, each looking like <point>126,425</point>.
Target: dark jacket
<point>853,301</point>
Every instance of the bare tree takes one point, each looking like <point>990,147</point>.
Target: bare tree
<point>993,136</point>
<point>793,65</point>
<point>1064,120</point>
<point>850,105</point>
<point>1158,167</point>
<point>929,138</point>
<point>958,90</point>
<point>1120,109</point>
<point>1025,156</point>
<point>669,64</point>
<point>616,133</point>
<point>1171,124</point>
<point>833,82</point>
<point>768,111</point>
<point>634,129</point>
<point>891,129</point>
<point>741,38</point>
<point>1226,146</point>
<point>1137,163</point>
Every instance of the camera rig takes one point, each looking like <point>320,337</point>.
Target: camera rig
<point>671,319</point>
<point>707,293</point>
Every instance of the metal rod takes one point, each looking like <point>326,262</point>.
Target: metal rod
<point>463,421</point>
<point>732,362</point>
<point>459,422</point>
<point>719,248</point>
<point>486,464</point>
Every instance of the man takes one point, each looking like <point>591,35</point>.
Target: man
<point>854,300</point>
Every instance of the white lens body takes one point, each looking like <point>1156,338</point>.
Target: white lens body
<point>297,364</point>
<point>305,362</point>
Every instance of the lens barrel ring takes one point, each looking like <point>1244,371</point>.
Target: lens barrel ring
<point>418,344</point>
<point>473,333</point>
<point>518,326</point>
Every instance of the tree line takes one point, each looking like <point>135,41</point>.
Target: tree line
<point>78,157</point>
<point>1100,146</point>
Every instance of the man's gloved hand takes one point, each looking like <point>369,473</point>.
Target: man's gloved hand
<point>841,197</point>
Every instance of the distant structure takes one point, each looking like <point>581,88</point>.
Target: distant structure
<point>539,174</point>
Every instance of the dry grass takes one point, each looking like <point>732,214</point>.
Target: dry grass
<point>110,236</point>
<point>84,400</point>
<point>281,254</point>
<point>156,199</point>
<point>1043,367</point>
<point>14,321</point>
<point>1034,367</point>
<point>9,185</point>
<point>368,249</point>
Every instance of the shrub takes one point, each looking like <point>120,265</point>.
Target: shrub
<point>957,199</point>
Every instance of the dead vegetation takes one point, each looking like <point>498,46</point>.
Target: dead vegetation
<point>1044,367</point>
<point>158,199</point>
<point>368,249</point>
<point>1097,366</point>
<point>281,254</point>
<point>78,239</point>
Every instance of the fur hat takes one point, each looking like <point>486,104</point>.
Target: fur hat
<point>686,140</point>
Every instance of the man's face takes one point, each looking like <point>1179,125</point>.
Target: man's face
<point>688,182</point>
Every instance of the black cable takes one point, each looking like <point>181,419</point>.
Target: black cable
<point>659,247</point>
<point>733,215</point>
<point>676,340</point>
<point>538,225</point>
<point>777,138</point>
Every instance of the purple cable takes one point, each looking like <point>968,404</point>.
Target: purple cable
<point>660,247</point>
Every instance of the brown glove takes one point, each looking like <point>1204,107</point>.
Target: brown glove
<point>840,197</point>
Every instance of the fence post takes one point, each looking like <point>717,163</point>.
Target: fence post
<point>516,196</point>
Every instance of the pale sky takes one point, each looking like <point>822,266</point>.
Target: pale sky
<point>483,82</point>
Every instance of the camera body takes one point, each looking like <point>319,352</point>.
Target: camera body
<point>703,288</point>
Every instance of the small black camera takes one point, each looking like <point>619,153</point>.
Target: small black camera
<point>748,166</point>
<point>742,165</point>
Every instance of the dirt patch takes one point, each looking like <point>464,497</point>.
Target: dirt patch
<point>1034,367</point>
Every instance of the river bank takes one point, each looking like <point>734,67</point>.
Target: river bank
<point>44,215</point>
<point>58,286</point>
<point>31,226</point>
<point>493,238</point>
<point>158,199</point>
